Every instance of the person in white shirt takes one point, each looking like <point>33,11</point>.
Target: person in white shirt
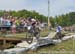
<point>1,20</point>
<point>13,28</point>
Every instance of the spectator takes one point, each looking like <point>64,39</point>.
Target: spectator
<point>1,20</point>
<point>13,28</point>
<point>8,24</point>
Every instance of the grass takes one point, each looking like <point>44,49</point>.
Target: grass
<point>66,47</point>
<point>23,35</point>
<point>50,49</point>
<point>6,46</point>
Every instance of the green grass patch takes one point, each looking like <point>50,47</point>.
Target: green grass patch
<point>66,47</point>
<point>23,35</point>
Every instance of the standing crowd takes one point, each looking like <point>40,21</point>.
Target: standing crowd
<point>15,24</point>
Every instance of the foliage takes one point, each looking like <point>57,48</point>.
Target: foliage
<point>25,14</point>
<point>63,20</point>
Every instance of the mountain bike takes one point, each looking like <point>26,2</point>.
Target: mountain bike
<point>32,32</point>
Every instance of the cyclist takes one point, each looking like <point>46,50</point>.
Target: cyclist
<point>59,30</point>
<point>33,27</point>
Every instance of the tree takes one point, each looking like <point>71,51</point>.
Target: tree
<point>52,21</point>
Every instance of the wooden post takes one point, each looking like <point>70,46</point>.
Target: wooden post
<point>4,42</point>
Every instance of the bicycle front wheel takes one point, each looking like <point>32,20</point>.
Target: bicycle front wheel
<point>29,37</point>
